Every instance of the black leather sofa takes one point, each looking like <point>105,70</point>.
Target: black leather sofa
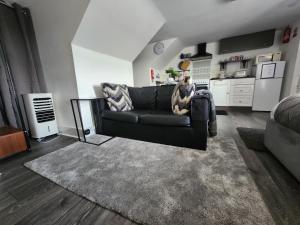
<point>152,119</point>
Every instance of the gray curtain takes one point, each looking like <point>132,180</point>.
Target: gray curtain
<point>34,62</point>
<point>10,109</point>
<point>20,67</point>
<point>3,116</point>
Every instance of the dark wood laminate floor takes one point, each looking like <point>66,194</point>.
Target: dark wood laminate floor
<point>27,198</point>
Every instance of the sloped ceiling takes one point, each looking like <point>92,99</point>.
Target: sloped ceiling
<point>119,28</point>
<point>195,21</point>
<point>123,28</point>
<point>25,3</point>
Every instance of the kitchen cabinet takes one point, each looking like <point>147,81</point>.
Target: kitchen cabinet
<point>233,92</point>
<point>220,90</point>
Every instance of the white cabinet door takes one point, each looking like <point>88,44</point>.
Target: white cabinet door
<point>241,101</point>
<point>266,94</point>
<point>242,90</point>
<point>220,90</point>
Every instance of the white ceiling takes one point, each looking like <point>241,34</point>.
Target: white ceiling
<point>118,28</point>
<point>195,21</point>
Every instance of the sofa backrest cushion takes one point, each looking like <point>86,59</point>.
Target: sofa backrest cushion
<point>143,98</point>
<point>164,96</point>
<point>287,113</point>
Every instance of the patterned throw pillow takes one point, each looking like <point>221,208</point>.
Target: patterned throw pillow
<point>117,97</point>
<point>181,97</point>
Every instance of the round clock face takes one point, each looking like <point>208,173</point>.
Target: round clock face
<point>158,48</point>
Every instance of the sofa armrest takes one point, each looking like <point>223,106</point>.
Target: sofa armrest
<point>98,106</point>
<point>199,109</point>
<point>199,120</point>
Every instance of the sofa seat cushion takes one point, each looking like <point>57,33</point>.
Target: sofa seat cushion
<point>165,120</point>
<point>128,117</point>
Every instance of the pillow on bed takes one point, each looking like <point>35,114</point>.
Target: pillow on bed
<point>117,97</point>
<point>287,112</point>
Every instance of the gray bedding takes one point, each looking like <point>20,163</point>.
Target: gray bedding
<point>287,113</point>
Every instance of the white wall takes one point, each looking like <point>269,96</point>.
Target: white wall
<point>93,68</point>
<point>213,48</point>
<point>141,66</point>
<point>119,28</point>
<point>176,60</point>
<point>55,24</point>
<point>148,59</point>
<point>292,56</point>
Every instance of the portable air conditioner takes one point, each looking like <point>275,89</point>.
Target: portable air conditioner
<point>41,115</point>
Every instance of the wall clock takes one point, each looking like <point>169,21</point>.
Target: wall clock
<point>158,48</point>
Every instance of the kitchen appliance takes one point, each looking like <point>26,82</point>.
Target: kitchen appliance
<point>269,76</point>
<point>201,54</point>
<point>201,84</point>
<point>241,73</point>
<point>277,56</point>
<point>264,58</point>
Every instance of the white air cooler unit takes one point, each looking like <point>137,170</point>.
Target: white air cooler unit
<point>40,114</point>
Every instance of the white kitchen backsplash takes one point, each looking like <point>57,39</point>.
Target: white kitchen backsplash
<point>201,69</point>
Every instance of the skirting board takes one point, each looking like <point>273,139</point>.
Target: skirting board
<point>68,131</point>
<point>71,131</point>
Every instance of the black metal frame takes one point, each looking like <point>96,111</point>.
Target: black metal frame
<point>77,100</point>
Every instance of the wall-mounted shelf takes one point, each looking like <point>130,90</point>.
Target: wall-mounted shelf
<point>243,63</point>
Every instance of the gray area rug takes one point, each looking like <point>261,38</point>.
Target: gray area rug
<point>253,138</point>
<point>97,139</point>
<point>158,184</point>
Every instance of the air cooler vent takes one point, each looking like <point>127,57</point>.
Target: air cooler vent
<point>41,114</point>
<point>43,109</point>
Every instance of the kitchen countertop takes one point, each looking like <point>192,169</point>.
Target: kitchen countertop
<point>231,78</point>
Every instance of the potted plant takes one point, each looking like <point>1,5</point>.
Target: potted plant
<point>172,73</point>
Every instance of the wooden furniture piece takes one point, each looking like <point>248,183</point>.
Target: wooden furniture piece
<point>12,141</point>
